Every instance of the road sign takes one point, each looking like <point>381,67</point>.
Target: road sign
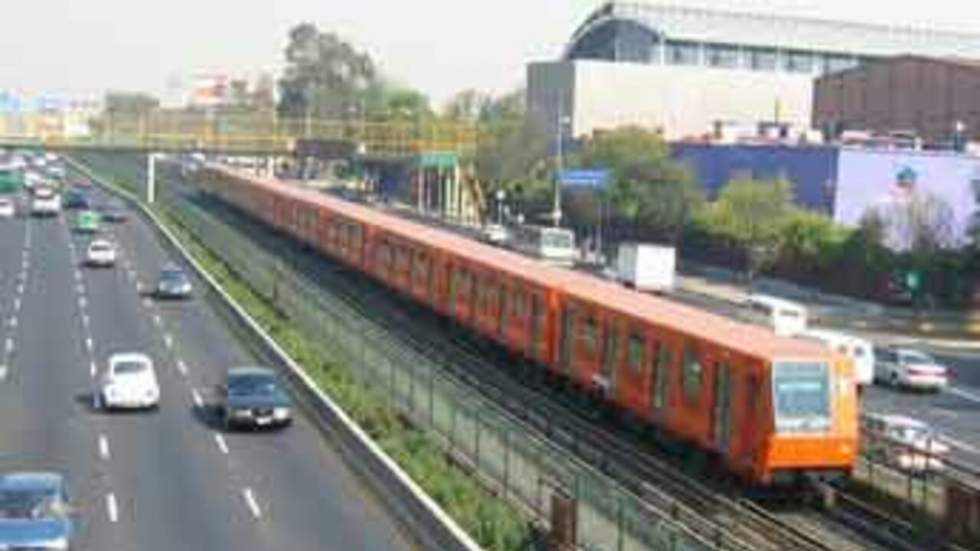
<point>594,178</point>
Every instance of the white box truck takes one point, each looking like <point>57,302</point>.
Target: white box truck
<point>646,267</point>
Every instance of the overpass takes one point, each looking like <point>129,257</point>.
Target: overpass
<point>234,134</point>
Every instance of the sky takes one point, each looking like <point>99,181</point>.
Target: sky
<point>437,46</point>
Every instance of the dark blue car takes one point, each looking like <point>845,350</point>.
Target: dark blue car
<point>254,397</point>
<point>34,511</point>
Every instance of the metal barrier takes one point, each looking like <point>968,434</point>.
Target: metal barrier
<point>518,465</point>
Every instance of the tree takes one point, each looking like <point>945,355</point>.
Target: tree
<point>751,215</point>
<point>130,103</point>
<point>651,193</point>
<point>324,76</point>
<point>465,106</point>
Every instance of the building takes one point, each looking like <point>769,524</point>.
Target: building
<point>941,188</point>
<point>927,96</point>
<point>683,70</point>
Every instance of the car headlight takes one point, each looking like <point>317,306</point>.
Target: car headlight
<point>60,544</point>
<point>280,413</point>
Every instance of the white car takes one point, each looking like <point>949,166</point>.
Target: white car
<point>129,383</point>
<point>46,202</point>
<point>7,208</point>
<point>101,253</point>
<point>908,368</point>
<point>903,442</point>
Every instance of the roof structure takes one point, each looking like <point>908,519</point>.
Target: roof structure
<point>782,32</point>
<point>747,339</point>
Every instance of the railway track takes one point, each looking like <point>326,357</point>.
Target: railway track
<point>717,515</point>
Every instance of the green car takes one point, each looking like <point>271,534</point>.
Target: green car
<point>88,221</point>
<point>11,180</point>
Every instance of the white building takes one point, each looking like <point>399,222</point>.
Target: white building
<point>683,70</point>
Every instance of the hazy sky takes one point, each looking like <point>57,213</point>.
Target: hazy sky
<point>439,46</point>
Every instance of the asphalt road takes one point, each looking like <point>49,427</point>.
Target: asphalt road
<point>169,479</point>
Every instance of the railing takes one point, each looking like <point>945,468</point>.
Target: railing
<point>234,133</point>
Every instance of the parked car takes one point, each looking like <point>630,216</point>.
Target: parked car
<point>254,397</point>
<point>903,442</point>
<point>909,368</point>
<point>174,283</point>
<point>101,253</point>
<point>7,208</point>
<point>35,512</point>
<point>130,382</point>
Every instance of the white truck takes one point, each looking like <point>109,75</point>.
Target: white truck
<point>646,267</point>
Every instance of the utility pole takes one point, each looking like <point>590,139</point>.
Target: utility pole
<point>151,178</point>
<point>559,163</point>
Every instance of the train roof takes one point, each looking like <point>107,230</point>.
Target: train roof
<point>747,339</point>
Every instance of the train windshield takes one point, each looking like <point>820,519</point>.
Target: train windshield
<point>801,394</point>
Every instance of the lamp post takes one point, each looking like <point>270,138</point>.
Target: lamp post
<point>562,120</point>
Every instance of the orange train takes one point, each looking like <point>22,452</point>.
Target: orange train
<point>771,409</point>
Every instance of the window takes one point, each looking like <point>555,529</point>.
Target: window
<point>722,55</point>
<point>762,59</point>
<point>798,62</point>
<point>357,235</point>
<point>537,323</point>
<point>420,268</point>
<point>637,352</point>
<point>802,396</point>
<point>663,359</point>
<point>683,53</point>
<point>590,335</point>
<point>384,255</point>
<point>518,304</point>
<point>723,401</point>
<point>692,374</point>
<point>610,352</point>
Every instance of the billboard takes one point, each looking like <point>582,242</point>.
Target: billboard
<point>909,192</point>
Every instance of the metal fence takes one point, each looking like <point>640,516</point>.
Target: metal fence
<point>521,466</point>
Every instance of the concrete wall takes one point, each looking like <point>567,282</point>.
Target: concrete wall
<point>681,100</point>
<point>906,93</point>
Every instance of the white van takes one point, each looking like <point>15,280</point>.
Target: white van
<point>788,318</point>
<point>859,350</point>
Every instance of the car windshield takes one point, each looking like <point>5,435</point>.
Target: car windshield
<point>173,275</point>
<point>101,247</point>
<point>252,385</point>
<point>27,503</point>
<point>130,367</point>
<point>913,356</point>
<point>802,395</point>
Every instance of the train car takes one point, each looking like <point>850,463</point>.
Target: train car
<point>771,409</point>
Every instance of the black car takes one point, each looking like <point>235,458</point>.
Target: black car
<point>114,212</point>
<point>254,397</point>
<point>76,199</point>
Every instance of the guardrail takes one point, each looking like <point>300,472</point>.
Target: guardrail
<point>418,512</point>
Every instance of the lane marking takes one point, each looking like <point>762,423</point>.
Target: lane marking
<point>92,369</point>
<point>103,447</point>
<point>9,345</point>
<point>13,321</point>
<point>88,343</point>
<point>253,505</point>
<point>85,319</point>
<point>17,304</point>
<point>78,275</point>
<point>80,289</point>
<point>182,367</point>
<point>222,445</point>
<point>147,303</point>
<point>168,341</point>
<point>20,288</point>
<point>111,507</point>
<point>139,286</point>
<point>965,394</point>
<point>156,320</point>
<point>82,301</point>
<point>198,401</point>
<point>3,373</point>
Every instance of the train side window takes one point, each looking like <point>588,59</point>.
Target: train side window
<point>537,320</point>
<point>723,401</point>
<point>637,352</point>
<point>663,359</point>
<point>453,285</point>
<point>568,326</point>
<point>504,314</point>
<point>356,236</point>
<point>693,372</point>
<point>590,335</point>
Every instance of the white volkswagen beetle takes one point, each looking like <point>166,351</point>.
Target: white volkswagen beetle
<point>129,383</point>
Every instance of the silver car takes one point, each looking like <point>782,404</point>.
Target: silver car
<point>34,511</point>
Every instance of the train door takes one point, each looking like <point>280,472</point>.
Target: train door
<point>610,358</point>
<point>567,338</point>
<point>722,411</point>
<point>660,385</point>
<point>539,335</point>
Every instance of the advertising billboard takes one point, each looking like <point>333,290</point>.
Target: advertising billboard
<point>910,193</point>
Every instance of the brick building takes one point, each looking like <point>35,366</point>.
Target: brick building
<point>921,94</point>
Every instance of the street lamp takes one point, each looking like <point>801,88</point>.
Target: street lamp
<point>562,121</point>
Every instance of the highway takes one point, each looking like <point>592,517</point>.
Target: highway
<point>167,479</point>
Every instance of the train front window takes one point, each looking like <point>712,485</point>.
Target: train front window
<point>801,392</point>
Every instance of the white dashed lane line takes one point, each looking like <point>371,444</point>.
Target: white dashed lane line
<point>156,320</point>
<point>88,344</point>
<point>168,341</point>
<point>182,367</point>
<point>8,345</point>
<point>253,505</point>
<point>222,445</point>
<point>111,508</point>
<point>103,447</point>
<point>92,369</point>
<point>196,396</point>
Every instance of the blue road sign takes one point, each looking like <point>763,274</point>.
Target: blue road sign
<point>593,178</point>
